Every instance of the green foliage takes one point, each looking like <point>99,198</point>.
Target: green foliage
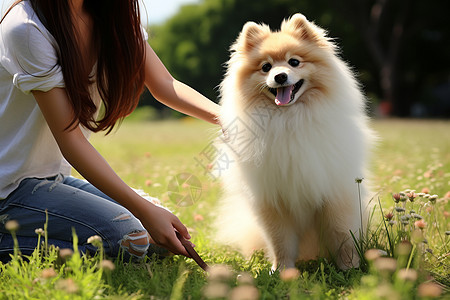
<point>194,43</point>
<point>147,155</point>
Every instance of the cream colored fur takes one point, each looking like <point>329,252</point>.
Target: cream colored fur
<point>290,184</point>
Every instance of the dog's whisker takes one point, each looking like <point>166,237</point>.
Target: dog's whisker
<point>262,86</point>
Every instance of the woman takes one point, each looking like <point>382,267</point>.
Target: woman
<point>59,61</point>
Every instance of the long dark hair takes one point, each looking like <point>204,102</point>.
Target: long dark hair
<point>120,53</point>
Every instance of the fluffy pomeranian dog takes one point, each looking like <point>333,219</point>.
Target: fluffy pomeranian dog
<point>297,138</point>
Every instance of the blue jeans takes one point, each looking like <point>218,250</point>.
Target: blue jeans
<point>70,203</point>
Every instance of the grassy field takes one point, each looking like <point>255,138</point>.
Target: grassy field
<point>156,156</point>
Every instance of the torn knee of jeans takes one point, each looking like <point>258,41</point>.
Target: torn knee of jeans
<point>136,243</point>
<point>122,217</point>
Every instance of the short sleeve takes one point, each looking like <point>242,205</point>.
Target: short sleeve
<point>29,52</point>
<point>144,33</point>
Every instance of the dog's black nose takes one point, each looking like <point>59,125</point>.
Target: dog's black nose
<point>281,78</point>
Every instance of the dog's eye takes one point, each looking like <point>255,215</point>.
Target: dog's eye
<point>294,62</point>
<point>266,67</point>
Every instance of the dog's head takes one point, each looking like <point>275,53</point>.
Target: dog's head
<point>282,65</point>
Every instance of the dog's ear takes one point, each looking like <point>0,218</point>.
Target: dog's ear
<point>300,27</point>
<point>251,35</point>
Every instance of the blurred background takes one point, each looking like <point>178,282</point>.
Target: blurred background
<point>399,49</point>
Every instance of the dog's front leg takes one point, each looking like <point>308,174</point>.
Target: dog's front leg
<point>281,238</point>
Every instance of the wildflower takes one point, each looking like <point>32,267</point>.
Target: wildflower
<point>219,273</point>
<point>396,197</point>
<point>39,231</point>
<point>392,222</point>
<point>290,274</point>
<point>386,291</point>
<point>148,182</point>
<point>244,292</point>
<point>417,216</point>
<point>399,209</point>
<point>420,224</point>
<point>107,265</point>
<point>372,254</point>
<point>428,174</point>
<point>245,278</point>
<point>398,172</point>
<point>48,273</point>
<point>389,216</point>
<point>198,217</point>
<point>95,240</point>
<point>216,290</point>
<point>359,180</point>
<point>447,232</point>
<point>433,198</point>
<point>412,211</point>
<point>407,274</point>
<point>404,248</point>
<point>385,264</point>
<point>67,285</point>
<point>425,190</point>
<point>405,217</point>
<point>65,253</point>
<point>411,196</point>
<point>12,225</point>
<point>429,289</point>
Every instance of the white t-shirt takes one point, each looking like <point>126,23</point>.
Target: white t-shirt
<point>28,61</point>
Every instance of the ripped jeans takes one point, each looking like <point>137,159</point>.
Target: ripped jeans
<point>71,203</point>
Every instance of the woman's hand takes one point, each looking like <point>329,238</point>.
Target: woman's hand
<point>161,225</point>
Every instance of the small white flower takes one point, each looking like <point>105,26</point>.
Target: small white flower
<point>95,240</point>
<point>12,225</point>
<point>39,231</point>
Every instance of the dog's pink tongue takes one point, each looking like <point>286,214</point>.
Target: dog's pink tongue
<point>283,95</point>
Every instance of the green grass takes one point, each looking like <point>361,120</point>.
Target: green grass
<point>148,155</point>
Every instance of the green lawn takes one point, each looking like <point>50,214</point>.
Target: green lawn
<point>149,155</point>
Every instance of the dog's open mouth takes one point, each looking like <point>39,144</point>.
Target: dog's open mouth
<point>284,95</point>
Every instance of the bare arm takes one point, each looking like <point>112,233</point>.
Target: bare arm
<point>176,94</point>
<point>161,224</point>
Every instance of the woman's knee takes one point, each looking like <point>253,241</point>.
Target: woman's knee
<point>135,243</point>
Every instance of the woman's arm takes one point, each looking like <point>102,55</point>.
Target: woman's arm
<point>176,94</point>
<point>77,150</point>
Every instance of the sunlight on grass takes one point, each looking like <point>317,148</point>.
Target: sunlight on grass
<point>411,160</point>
